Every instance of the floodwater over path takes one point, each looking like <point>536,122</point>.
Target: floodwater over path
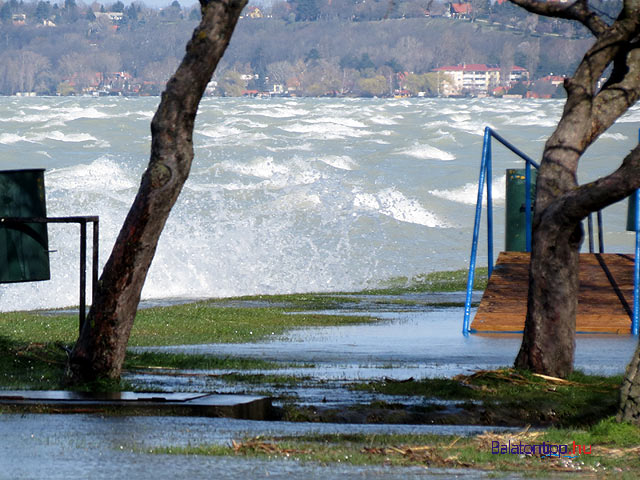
<point>408,342</point>
<point>420,343</point>
<point>36,446</point>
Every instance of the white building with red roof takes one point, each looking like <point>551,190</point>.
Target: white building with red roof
<point>475,78</point>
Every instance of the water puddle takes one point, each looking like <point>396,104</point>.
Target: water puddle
<point>69,446</point>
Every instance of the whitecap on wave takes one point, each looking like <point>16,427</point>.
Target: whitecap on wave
<point>344,121</point>
<point>11,138</point>
<point>101,175</point>
<point>341,162</point>
<point>218,131</point>
<point>56,135</point>
<point>65,137</point>
<point>427,152</point>
<point>614,136</point>
<point>275,175</point>
<point>380,120</point>
<point>468,193</point>
<point>326,131</point>
<point>394,204</point>
<point>279,112</point>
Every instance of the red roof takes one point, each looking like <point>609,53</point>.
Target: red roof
<point>553,78</point>
<point>461,8</point>
<point>474,67</point>
<point>467,67</point>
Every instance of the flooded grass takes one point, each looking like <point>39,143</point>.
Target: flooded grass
<point>184,361</point>
<point>194,323</point>
<point>31,366</point>
<point>504,396</point>
<point>448,281</point>
<point>606,448</point>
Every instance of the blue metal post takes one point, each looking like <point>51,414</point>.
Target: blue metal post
<point>527,208</point>
<point>636,267</point>
<point>489,204</point>
<point>476,231</point>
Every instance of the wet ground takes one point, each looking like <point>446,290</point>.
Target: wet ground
<point>36,446</point>
<point>411,340</point>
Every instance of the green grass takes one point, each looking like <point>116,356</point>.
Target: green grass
<point>198,323</point>
<point>612,451</point>
<point>448,281</point>
<point>583,400</point>
<point>212,322</point>
<point>33,366</point>
<point>186,361</point>
<point>193,323</point>
<point>262,379</point>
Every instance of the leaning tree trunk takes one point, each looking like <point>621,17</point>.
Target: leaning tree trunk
<point>100,349</point>
<point>561,204</point>
<point>630,392</point>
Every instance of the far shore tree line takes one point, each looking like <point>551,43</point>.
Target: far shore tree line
<point>345,47</point>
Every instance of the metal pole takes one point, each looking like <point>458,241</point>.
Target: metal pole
<point>590,227</point>
<point>636,268</point>
<point>476,232</point>
<point>94,263</point>
<point>83,272</point>
<point>527,196</point>
<point>489,180</point>
<point>600,233</point>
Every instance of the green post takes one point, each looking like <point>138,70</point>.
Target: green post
<point>515,225</point>
<point>24,247</point>
<point>631,213</point>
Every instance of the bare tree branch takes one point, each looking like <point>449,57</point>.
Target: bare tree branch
<point>576,204</point>
<point>578,10</point>
<point>620,92</point>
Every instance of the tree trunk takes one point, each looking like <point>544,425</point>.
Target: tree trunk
<point>630,392</point>
<point>548,340</point>
<point>101,347</point>
<point>561,204</point>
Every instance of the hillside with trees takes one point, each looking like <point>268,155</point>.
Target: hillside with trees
<point>310,47</point>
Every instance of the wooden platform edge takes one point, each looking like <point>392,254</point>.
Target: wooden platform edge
<point>606,292</point>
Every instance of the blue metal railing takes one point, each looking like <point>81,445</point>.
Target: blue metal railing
<point>636,267</point>
<point>486,175</point>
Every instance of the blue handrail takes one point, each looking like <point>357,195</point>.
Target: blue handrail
<point>636,266</point>
<point>485,174</point>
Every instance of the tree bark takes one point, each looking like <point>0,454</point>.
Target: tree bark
<point>561,204</point>
<point>101,346</point>
<point>629,410</point>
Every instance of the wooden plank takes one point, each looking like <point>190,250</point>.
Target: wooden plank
<point>600,307</point>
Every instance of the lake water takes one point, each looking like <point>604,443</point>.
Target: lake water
<point>285,195</point>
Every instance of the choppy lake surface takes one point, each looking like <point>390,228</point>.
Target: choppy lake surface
<point>285,195</point>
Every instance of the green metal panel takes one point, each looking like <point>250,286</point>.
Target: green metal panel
<point>516,228</point>
<point>631,214</point>
<point>24,248</point>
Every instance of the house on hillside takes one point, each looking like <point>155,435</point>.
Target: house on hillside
<point>19,19</point>
<point>113,17</point>
<point>517,74</point>
<point>254,12</point>
<point>554,80</point>
<point>475,79</point>
<point>460,10</point>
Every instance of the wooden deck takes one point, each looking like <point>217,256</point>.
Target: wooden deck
<point>605,300</point>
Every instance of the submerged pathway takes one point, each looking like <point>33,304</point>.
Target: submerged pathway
<point>422,341</point>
